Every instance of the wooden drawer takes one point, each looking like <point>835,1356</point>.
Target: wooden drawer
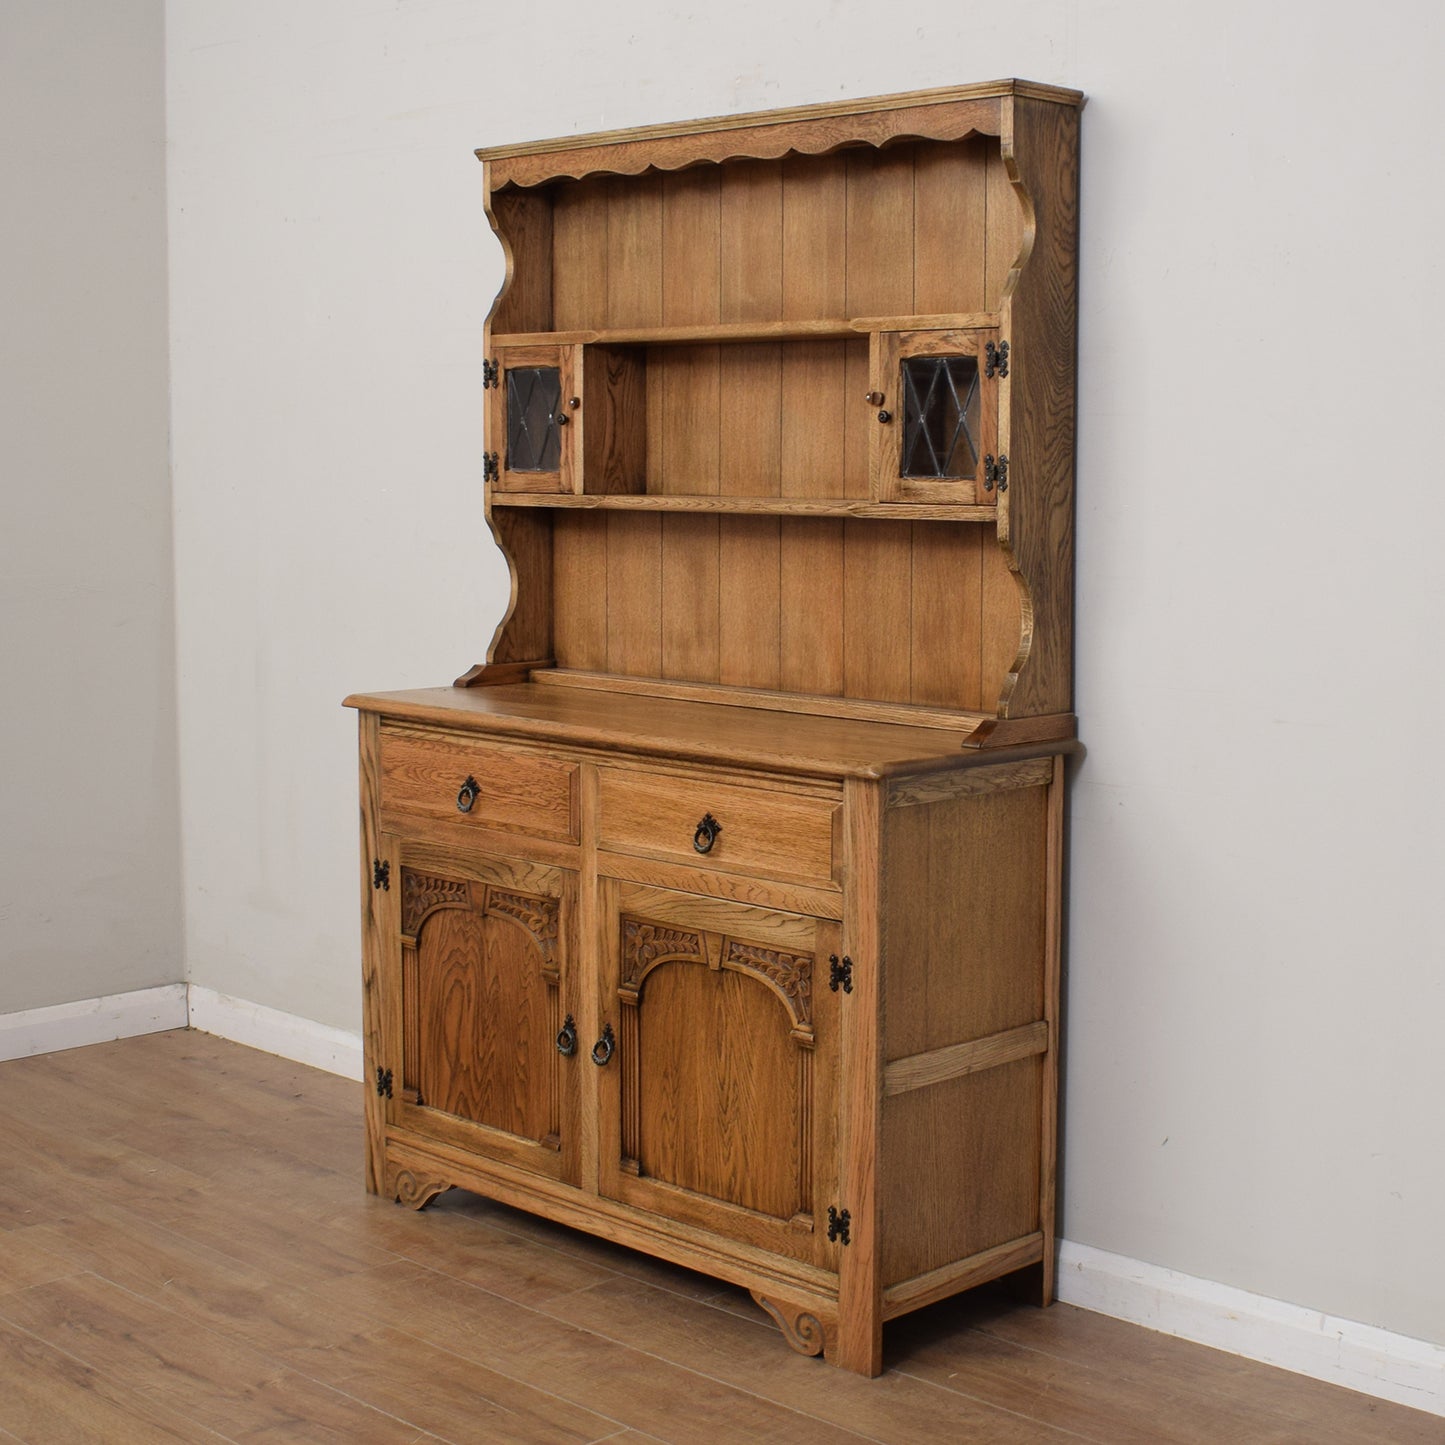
<point>771,834</point>
<point>424,774</point>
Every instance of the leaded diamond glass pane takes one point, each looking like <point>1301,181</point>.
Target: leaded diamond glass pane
<point>940,416</point>
<point>534,440</point>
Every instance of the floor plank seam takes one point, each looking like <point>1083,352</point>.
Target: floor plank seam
<point>494,1368</point>
<point>252,1294</point>
<point>652,1355</point>
<point>1001,1409</point>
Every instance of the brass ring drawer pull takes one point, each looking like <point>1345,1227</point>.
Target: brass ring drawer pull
<point>468,794</point>
<point>706,833</point>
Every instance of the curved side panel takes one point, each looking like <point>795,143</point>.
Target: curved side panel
<point>523,226</point>
<point>1035,527</point>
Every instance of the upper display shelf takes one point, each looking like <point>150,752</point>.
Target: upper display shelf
<point>744,331</point>
<point>947,114</point>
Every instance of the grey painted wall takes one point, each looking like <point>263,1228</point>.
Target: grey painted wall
<point>90,888</point>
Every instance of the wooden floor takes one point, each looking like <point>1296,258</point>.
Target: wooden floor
<point>186,1253</point>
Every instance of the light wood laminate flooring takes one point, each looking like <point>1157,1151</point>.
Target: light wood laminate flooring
<point>187,1253</point>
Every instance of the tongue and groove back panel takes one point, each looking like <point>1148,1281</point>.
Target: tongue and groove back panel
<point>906,612</point>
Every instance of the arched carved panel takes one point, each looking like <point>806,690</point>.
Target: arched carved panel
<point>424,893</point>
<point>645,945</point>
<point>790,975</point>
<point>536,916</point>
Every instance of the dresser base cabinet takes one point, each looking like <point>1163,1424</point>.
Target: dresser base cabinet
<point>836,1093</point>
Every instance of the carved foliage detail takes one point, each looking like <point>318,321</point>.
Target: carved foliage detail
<point>790,973</point>
<point>422,892</point>
<point>644,944</point>
<point>537,915</point>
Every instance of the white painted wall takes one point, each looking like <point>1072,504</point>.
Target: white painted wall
<point>1254,1072</point>
<point>90,887</point>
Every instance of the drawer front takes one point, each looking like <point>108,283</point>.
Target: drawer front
<point>660,815</point>
<point>474,785</point>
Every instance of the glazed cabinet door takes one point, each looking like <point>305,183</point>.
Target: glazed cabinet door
<point>719,1067</point>
<point>530,419</point>
<point>480,998</point>
<point>938,398</point>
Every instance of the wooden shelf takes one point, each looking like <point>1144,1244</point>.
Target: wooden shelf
<point>753,506</point>
<point>741,332</point>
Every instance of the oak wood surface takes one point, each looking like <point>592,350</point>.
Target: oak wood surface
<point>758,832</point>
<point>277,1294</point>
<point>720,281</point>
<point>810,746</point>
<point>964,907</point>
<point>739,606</point>
<point>806,319</point>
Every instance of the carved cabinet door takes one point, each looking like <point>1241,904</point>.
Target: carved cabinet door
<point>718,1084</point>
<point>482,1005</point>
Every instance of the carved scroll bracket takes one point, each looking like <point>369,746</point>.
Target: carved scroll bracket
<point>802,1330</point>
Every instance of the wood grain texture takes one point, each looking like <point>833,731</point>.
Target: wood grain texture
<point>757,615</point>
<point>1040,151</point>
<point>877,611</point>
<point>750,610</point>
<point>612,419</point>
<point>579,255</point>
<point>525,540</point>
<point>760,832</point>
<point>812,744</point>
<point>959,1168</point>
<point>945,667</point>
<point>634,594</point>
<point>523,224</point>
<point>763,504</point>
<point>379,921</point>
<point>634,252</point>
<point>962,1274</point>
<point>919,1071</point>
<point>423,773</point>
<point>579,566</point>
<point>943,787</point>
<point>862,1185</point>
<point>964,918</point>
<point>810,130</point>
<point>1049,1090</point>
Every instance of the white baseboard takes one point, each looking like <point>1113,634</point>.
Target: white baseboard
<point>92,1021</point>
<point>292,1037</point>
<point>1342,1352</point>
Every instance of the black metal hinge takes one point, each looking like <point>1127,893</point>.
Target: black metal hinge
<point>840,973</point>
<point>491,374</point>
<point>490,472</point>
<point>995,359</point>
<point>383,1082</point>
<point>381,874</point>
<point>995,473</point>
<point>838,1222</point>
